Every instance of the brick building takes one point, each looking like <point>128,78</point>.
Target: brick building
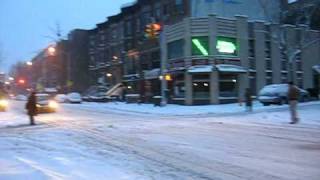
<point>119,51</point>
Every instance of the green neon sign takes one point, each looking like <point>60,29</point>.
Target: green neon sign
<point>226,47</point>
<point>200,46</point>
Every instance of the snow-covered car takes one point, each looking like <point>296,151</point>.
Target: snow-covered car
<point>3,105</point>
<point>278,94</point>
<point>74,98</point>
<point>60,98</point>
<point>45,104</point>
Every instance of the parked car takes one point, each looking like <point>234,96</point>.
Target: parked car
<point>3,104</point>
<point>74,98</point>
<point>278,94</point>
<point>45,104</point>
<point>21,97</point>
<point>60,98</point>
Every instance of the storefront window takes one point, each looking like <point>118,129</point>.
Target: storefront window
<point>201,89</point>
<point>201,86</point>
<point>179,89</point>
<point>175,49</point>
<point>228,85</point>
<point>200,46</point>
<point>227,46</point>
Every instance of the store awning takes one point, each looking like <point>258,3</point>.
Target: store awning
<point>316,68</point>
<point>200,69</point>
<point>230,68</point>
<point>152,74</point>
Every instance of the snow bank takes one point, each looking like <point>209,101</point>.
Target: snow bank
<point>180,110</point>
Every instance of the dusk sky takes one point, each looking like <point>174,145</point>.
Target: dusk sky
<point>24,24</point>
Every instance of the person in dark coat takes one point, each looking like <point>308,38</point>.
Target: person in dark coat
<point>31,107</point>
<point>248,97</point>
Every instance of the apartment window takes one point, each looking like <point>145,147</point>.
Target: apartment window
<point>200,46</point>
<point>284,65</point>
<point>179,2</point>
<point>102,37</point>
<point>175,49</point>
<point>145,18</point>
<point>251,48</point>
<point>114,34</point>
<point>252,63</point>
<point>128,28</point>
<point>268,49</point>
<point>165,9</point>
<point>155,57</point>
<point>269,65</point>
<point>179,6</point>
<point>138,25</point>
<point>269,80</point>
<point>157,11</point>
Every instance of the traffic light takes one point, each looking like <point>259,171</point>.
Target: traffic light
<point>153,30</point>
<point>21,81</point>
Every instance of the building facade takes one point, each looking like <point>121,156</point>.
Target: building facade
<point>213,60</point>
<point>77,57</point>
<point>120,52</point>
<point>49,70</point>
<point>303,12</point>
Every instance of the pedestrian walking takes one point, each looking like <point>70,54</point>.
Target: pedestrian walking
<point>31,107</point>
<point>293,96</point>
<point>248,97</point>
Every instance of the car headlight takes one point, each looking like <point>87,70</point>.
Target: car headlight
<point>53,104</point>
<point>4,103</point>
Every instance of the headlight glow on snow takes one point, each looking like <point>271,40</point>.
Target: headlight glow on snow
<point>4,103</point>
<point>53,104</point>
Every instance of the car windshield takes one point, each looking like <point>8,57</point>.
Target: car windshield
<point>273,90</point>
<point>42,98</point>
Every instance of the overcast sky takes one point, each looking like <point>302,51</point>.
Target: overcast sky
<point>24,24</point>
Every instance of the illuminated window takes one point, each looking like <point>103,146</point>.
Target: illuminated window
<point>200,46</point>
<point>227,46</point>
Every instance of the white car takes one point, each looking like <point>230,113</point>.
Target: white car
<point>74,98</point>
<point>277,94</point>
<point>60,98</point>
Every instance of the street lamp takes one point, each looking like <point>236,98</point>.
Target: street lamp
<point>51,51</point>
<point>29,63</point>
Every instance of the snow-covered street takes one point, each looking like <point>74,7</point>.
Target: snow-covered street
<point>97,141</point>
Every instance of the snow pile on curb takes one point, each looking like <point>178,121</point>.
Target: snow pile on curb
<point>180,110</point>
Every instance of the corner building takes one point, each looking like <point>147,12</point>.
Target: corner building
<point>213,60</point>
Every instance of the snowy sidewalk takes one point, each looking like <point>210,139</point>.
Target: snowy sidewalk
<point>180,110</point>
